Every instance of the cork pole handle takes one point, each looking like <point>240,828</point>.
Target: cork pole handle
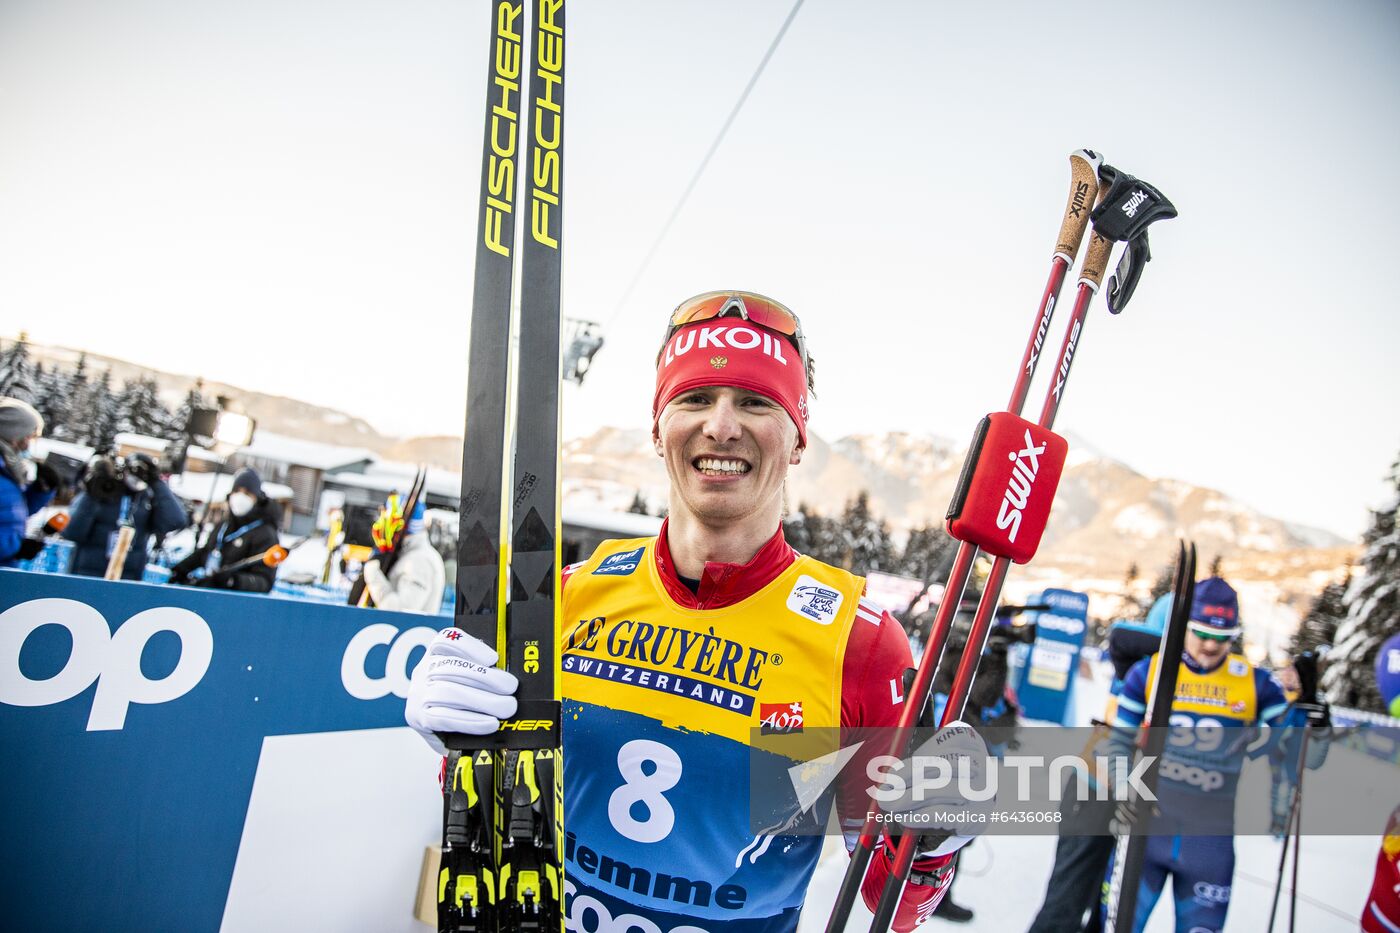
<point>1098,254</point>
<point>1083,192</point>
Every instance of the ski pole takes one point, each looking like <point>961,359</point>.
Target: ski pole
<point>1293,838</point>
<point>1084,165</point>
<point>1095,261</point>
<point>1120,289</point>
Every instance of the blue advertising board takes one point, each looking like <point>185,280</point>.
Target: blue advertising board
<point>1052,663</point>
<point>132,719</point>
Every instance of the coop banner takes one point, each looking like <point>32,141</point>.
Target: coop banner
<point>133,718</point>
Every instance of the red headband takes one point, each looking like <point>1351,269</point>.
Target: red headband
<point>731,352</point>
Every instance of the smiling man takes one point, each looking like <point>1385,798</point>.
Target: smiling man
<point>677,648</point>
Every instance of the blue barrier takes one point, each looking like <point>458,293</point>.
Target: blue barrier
<point>132,718</point>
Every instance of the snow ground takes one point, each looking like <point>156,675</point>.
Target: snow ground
<point>1002,879</point>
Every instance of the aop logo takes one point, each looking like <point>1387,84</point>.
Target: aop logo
<point>359,683</point>
<point>112,659</point>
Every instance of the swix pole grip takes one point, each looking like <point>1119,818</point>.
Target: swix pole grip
<point>1083,188</point>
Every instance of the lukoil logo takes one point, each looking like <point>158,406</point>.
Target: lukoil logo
<point>112,659</point>
<point>358,681</point>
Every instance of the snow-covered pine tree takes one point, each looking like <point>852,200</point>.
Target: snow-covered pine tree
<point>796,532</point>
<point>140,410</point>
<point>64,393</point>
<point>1319,626</point>
<point>17,370</point>
<point>927,554</point>
<point>1162,584</point>
<point>194,398</point>
<point>867,537</point>
<point>1373,610</point>
<point>99,415</point>
<point>811,533</point>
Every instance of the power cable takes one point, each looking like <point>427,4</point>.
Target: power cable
<point>695,179</point>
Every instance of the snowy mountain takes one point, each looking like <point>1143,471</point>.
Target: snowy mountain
<point>1104,509</point>
<point>1107,517</point>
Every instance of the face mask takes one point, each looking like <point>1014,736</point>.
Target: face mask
<point>240,503</point>
<point>29,468</point>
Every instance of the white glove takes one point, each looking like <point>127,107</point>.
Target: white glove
<point>456,688</point>
<point>919,807</point>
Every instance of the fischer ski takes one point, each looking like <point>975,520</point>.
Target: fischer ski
<point>1131,850</point>
<point>502,862</point>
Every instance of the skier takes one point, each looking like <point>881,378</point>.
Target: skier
<point>416,579</point>
<point>1217,692</point>
<point>249,529</point>
<point>132,490</point>
<point>676,647</point>
<point>25,486</point>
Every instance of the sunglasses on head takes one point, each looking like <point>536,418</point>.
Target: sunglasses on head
<point>747,306</point>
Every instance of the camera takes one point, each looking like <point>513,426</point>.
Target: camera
<point>1004,636</point>
<point>109,477</point>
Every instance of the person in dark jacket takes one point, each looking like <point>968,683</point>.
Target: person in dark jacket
<point>135,491</point>
<point>249,530</point>
<point>25,486</point>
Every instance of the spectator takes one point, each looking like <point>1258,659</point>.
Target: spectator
<point>118,492</point>
<point>25,486</point>
<point>416,575</point>
<point>248,531</point>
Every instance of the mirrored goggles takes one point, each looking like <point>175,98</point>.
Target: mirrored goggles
<point>747,306</point>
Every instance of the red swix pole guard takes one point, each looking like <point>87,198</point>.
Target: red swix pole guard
<point>1008,482</point>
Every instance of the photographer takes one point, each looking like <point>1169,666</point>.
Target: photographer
<point>25,486</point>
<point>119,492</point>
<point>249,530</point>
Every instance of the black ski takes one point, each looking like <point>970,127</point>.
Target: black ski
<point>501,860</point>
<point>467,883</point>
<point>1132,848</point>
<point>531,854</point>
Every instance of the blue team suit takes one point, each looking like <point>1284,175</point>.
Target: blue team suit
<point>1200,769</point>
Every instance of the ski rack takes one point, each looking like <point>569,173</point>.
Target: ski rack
<point>1131,850</point>
<point>1086,189</point>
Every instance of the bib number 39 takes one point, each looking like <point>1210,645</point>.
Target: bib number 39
<point>648,770</point>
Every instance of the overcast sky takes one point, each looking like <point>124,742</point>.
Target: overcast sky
<point>280,195</point>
